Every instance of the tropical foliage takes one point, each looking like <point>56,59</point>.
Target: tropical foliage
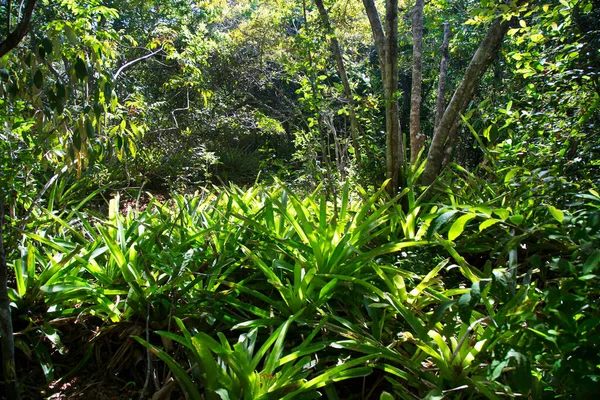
<point>193,201</point>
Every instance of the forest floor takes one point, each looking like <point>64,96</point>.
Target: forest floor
<point>100,362</point>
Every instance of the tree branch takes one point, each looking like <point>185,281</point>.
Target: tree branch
<point>483,57</point>
<point>14,38</point>
<point>132,62</point>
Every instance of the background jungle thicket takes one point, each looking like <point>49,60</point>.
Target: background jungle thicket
<point>243,199</point>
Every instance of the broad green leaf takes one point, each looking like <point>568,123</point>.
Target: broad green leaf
<point>77,140</point>
<point>70,33</point>
<point>89,128</point>
<point>439,222</point>
<point>516,219</point>
<point>107,91</point>
<point>47,43</point>
<point>556,213</point>
<point>592,262</point>
<point>487,223</point>
<point>458,226</point>
<point>439,313</point>
<point>386,396</point>
<point>81,69</point>
<point>502,213</point>
<point>442,345</point>
<point>38,79</point>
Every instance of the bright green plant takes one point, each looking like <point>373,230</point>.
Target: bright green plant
<point>241,372</point>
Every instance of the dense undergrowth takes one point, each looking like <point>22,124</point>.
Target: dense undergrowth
<point>262,294</point>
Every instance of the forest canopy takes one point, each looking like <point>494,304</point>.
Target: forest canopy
<point>243,199</point>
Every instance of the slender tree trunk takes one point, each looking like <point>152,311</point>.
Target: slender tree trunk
<point>417,139</point>
<point>441,98</point>
<point>395,151</point>
<point>339,60</point>
<point>404,84</point>
<point>387,48</point>
<point>485,54</point>
<point>441,94</point>
<point>378,35</point>
<point>9,382</point>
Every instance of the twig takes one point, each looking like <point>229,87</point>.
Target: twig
<point>187,107</point>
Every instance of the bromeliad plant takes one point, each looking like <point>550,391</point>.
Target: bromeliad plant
<point>321,293</point>
<point>320,244</point>
<point>219,370</point>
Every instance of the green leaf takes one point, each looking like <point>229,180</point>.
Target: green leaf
<point>60,90</point>
<point>70,33</point>
<point>458,226</point>
<point>386,396</point>
<point>47,43</point>
<point>439,222</point>
<point>107,92</point>
<point>77,140</point>
<point>81,69</point>
<point>516,219</point>
<point>38,79</point>
<point>43,356</point>
<point>60,106</point>
<point>438,313</point>
<point>223,394</point>
<point>89,128</point>
<point>502,213</point>
<point>182,377</point>
<point>470,300</point>
<point>98,110</point>
<point>464,307</point>
<point>591,263</point>
<point>556,213</point>
<point>435,394</point>
<point>521,375</point>
<point>487,223</point>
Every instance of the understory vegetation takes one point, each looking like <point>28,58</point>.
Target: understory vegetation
<point>227,200</point>
<point>261,294</point>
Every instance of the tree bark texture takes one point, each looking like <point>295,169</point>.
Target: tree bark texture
<point>417,139</point>
<point>377,29</point>
<point>386,44</point>
<point>441,93</point>
<point>14,38</point>
<point>482,59</point>
<point>339,60</point>
<point>9,381</point>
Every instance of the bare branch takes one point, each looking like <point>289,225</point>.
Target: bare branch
<point>133,62</point>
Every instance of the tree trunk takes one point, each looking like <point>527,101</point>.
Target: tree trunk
<point>9,382</point>
<point>387,48</point>
<point>441,94</point>
<point>449,148</point>
<point>337,53</point>
<point>417,139</point>
<point>479,64</point>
